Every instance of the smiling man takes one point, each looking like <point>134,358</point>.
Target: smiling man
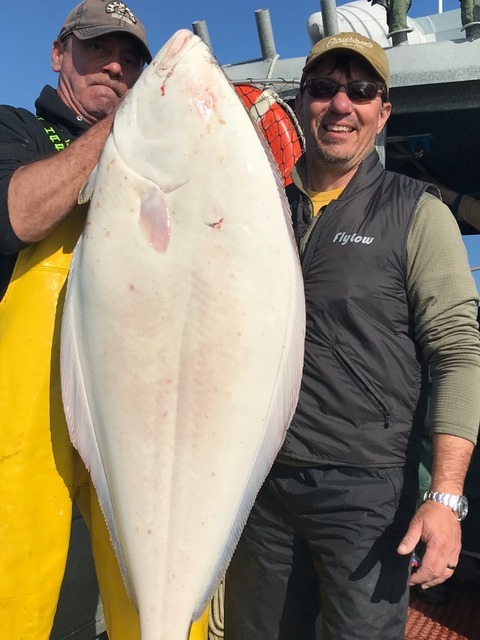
<point>45,158</point>
<point>341,124</point>
<point>390,299</point>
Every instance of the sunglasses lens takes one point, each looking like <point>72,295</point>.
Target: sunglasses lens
<point>358,90</point>
<point>322,88</point>
<point>362,90</point>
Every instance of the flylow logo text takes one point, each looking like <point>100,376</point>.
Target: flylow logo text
<point>344,238</point>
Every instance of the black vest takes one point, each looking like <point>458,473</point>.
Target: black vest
<point>363,396</point>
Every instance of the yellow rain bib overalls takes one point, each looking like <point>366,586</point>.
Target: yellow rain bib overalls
<point>40,472</point>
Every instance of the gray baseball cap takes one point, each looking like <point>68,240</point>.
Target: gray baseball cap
<point>93,18</point>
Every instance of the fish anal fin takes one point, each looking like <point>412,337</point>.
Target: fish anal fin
<point>81,429</point>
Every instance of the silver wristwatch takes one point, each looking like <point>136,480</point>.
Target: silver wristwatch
<point>458,504</point>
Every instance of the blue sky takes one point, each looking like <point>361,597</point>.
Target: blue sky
<point>28,28</point>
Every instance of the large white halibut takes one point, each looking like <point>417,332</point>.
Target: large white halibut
<point>183,332</point>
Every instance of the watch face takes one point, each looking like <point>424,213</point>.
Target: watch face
<point>462,508</point>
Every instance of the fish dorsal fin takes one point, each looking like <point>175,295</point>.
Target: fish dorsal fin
<point>86,191</point>
<point>80,425</point>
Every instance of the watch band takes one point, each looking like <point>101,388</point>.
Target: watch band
<point>457,503</point>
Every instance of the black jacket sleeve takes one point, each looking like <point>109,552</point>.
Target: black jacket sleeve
<point>22,140</point>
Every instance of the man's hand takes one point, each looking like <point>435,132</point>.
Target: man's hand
<point>437,526</point>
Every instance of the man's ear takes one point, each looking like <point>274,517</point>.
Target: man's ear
<point>57,55</point>
<point>384,115</point>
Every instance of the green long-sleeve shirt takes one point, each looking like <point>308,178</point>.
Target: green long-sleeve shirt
<point>444,301</point>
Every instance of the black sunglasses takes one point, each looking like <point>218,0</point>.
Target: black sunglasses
<point>357,90</point>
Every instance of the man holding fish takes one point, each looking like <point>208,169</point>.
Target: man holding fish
<point>44,161</point>
<point>390,300</point>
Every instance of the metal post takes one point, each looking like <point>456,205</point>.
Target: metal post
<point>400,37</point>
<point>470,13</point>
<point>265,34</point>
<point>200,29</point>
<point>329,17</point>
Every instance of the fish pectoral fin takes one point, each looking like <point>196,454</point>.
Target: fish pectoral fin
<point>86,192</point>
<point>154,219</point>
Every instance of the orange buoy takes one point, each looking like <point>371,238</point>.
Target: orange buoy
<point>276,123</point>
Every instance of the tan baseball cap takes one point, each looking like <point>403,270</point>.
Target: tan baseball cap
<point>349,42</point>
<point>93,18</point>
